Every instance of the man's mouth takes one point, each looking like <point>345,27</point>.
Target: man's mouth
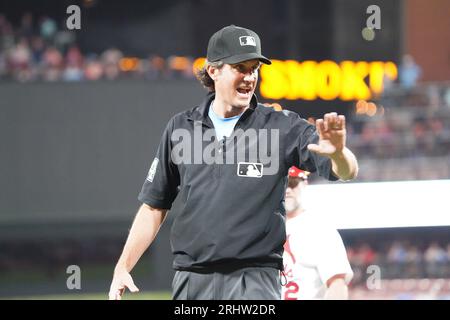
<point>245,92</point>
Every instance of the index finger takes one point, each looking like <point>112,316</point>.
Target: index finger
<point>320,126</point>
<point>116,293</point>
<point>113,295</point>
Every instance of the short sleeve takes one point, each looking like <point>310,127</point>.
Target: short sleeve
<point>161,184</point>
<point>301,134</point>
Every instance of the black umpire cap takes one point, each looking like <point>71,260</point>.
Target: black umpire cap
<point>235,44</point>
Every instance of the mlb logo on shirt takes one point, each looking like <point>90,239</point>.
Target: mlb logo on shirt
<point>247,41</point>
<point>250,169</point>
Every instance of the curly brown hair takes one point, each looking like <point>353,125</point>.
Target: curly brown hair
<point>203,76</point>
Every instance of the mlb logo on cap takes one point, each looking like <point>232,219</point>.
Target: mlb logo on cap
<point>223,46</point>
<point>247,41</point>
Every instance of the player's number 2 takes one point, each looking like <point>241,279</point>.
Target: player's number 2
<point>291,291</point>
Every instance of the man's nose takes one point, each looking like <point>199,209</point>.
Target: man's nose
<point>250,76</point>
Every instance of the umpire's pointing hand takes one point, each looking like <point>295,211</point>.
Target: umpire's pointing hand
<point>332,135</point>
<point>121,280</point>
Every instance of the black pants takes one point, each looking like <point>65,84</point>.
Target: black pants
<point>256,283</point>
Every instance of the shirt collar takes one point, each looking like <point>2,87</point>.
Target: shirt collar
<point>201,112</point>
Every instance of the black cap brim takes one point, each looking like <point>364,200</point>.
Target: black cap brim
<point>244,57</point>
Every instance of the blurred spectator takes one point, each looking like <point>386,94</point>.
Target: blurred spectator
<point>6,34</point>
<point>436,260</point>
<point>3,66</point>
<point>156,68</point>
<point>72,73</point>
<point>20,55</point>
<point>180,67</point>
<point>64,39</point>
<point>74,65</point>
<point>110,60</point>
<point>93,69</point>
<point>447,98</point>
<point>368,256</point>
<point>26,29</point>
<point>37,49</point>
<point>74,57</point>
<point>447,274</point>
<point>20,61</point>
<point>414,267</point>
<point>396,260</point>
<point>409,72</point>
<point>361,258</point>
<point>48,29</point>
<point>53,62</point>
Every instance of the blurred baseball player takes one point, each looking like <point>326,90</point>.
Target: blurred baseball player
<point>315,261</point>
<point>228,237</point>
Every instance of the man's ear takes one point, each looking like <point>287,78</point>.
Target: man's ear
<point>213,72</point>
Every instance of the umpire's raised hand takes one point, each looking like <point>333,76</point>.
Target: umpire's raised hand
<point>332,134</point>
<point>332,138</point>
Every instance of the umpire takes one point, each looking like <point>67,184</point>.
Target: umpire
<point>227,160</point>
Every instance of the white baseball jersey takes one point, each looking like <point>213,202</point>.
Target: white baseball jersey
<point>313,253</point>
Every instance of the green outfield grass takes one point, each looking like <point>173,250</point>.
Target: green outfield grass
<point>163,295</point>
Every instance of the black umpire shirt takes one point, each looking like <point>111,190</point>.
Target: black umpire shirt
<point>232,191</point>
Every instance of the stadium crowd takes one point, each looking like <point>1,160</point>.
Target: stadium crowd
<point>401,260</point>
<point>410,134</point>
<point>41,50</point>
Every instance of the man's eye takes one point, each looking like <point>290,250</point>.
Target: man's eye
<point>242,69</point>
<point>255,68</point>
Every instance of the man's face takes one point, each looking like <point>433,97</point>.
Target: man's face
<point>236,83</point>
<point>293,194</point>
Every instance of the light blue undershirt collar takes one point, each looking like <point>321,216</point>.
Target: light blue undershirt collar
<point>224,126</point>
